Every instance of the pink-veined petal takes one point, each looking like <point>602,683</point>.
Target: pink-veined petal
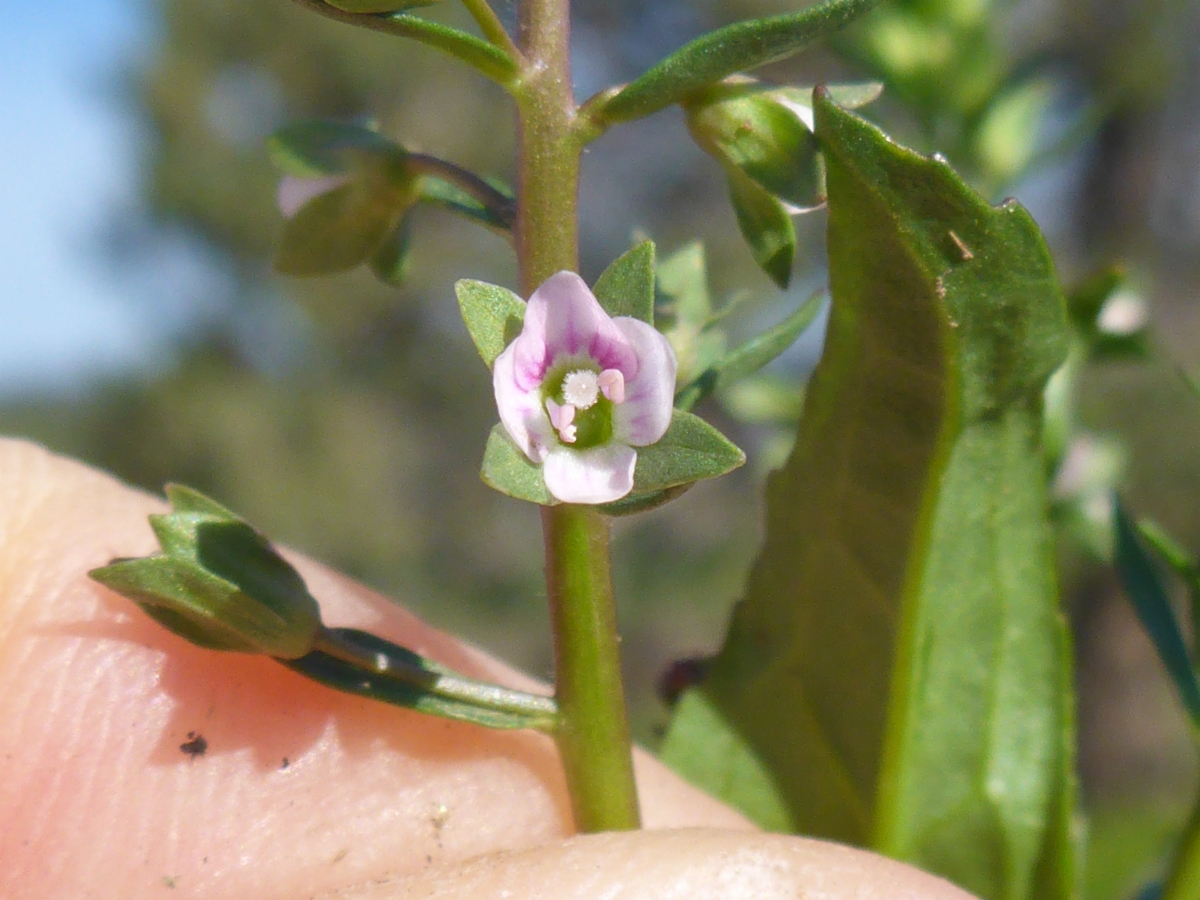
<point>521,411</point>
<point>563,319</point>
<point>294,191</point>
<point>599,475</point>
<point>650,395</point>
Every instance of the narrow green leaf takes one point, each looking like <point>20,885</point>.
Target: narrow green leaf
<point>378,6</point>
<point>1149,598</point>
<point>689,451</point>
<point>414,682</point>
<point>511,472</point>
<point>391,259</point>
<point>752,355</point>
<point>493,316</point>
<point>626,287</point>
<point>765,225</point>
<point>341,228</point>
<point>896,665</point>
<point>317,148</point>
<point>726,51</point>
<point>486,58</point>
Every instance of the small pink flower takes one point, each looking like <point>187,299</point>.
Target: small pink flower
<point>578,391</point>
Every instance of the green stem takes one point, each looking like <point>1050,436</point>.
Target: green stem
<point>491,26</point>
<point>593,729</point>
<point>1184,880</point>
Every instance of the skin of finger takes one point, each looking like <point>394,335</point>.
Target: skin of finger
<point>301,790</point>
<point>689,864</point>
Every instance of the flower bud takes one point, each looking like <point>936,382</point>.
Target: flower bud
<point>218,582</point>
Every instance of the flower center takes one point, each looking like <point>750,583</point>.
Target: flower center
<point>581,388</point>
<point>579,402</point>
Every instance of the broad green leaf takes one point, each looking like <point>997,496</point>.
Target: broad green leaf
<point>1149,598</point>
<point>750,356</point>
<point>689,451</point>
<point>726,51</point>
<point>341,228</point>
<point>626,288</point>
<point>511,472</point>
<point>390,260</point>
<point>765,225</point>
<point>318,148</point>
<point>414,682</point>
<point>896,666</point>
<point>493,316</point>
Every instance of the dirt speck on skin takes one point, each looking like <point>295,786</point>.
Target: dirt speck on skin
<point>339,856</point>
<point>169,881</point>
<point>195,745</point>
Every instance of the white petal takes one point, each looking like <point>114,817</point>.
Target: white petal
<point>564,319</point>
<point>294,192</point>
<point>650,396</point>
<point>520,410</point>
<point>599,475</point>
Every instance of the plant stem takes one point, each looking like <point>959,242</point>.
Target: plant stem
<point>1184,880</point>
<point>593,731</point>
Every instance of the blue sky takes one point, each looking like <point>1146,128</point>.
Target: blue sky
<point>69,149</point>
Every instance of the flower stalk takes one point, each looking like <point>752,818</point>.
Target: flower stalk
<point>593,732</point>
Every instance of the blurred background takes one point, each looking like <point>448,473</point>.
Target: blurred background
<point>142,330</point>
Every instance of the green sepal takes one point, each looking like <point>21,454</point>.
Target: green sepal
<point>743,124</point>
<point>1149,599</point>
<point>378,6</point>
<point>751,356</point>
<point>626,287</point>
<point>721,53</point>
<point>337,230</point>
<point>218,582</point>
<point>509,471</point>
<point>318,148</point>
<point>765,224</point>
<point>691,450</point>
<point>391,259</point>
<point>493,316</point>
<point>414,682</point>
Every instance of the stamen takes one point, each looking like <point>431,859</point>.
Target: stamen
<point>581,389</point>
<point>561,418</point>
<point>612,384</point>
